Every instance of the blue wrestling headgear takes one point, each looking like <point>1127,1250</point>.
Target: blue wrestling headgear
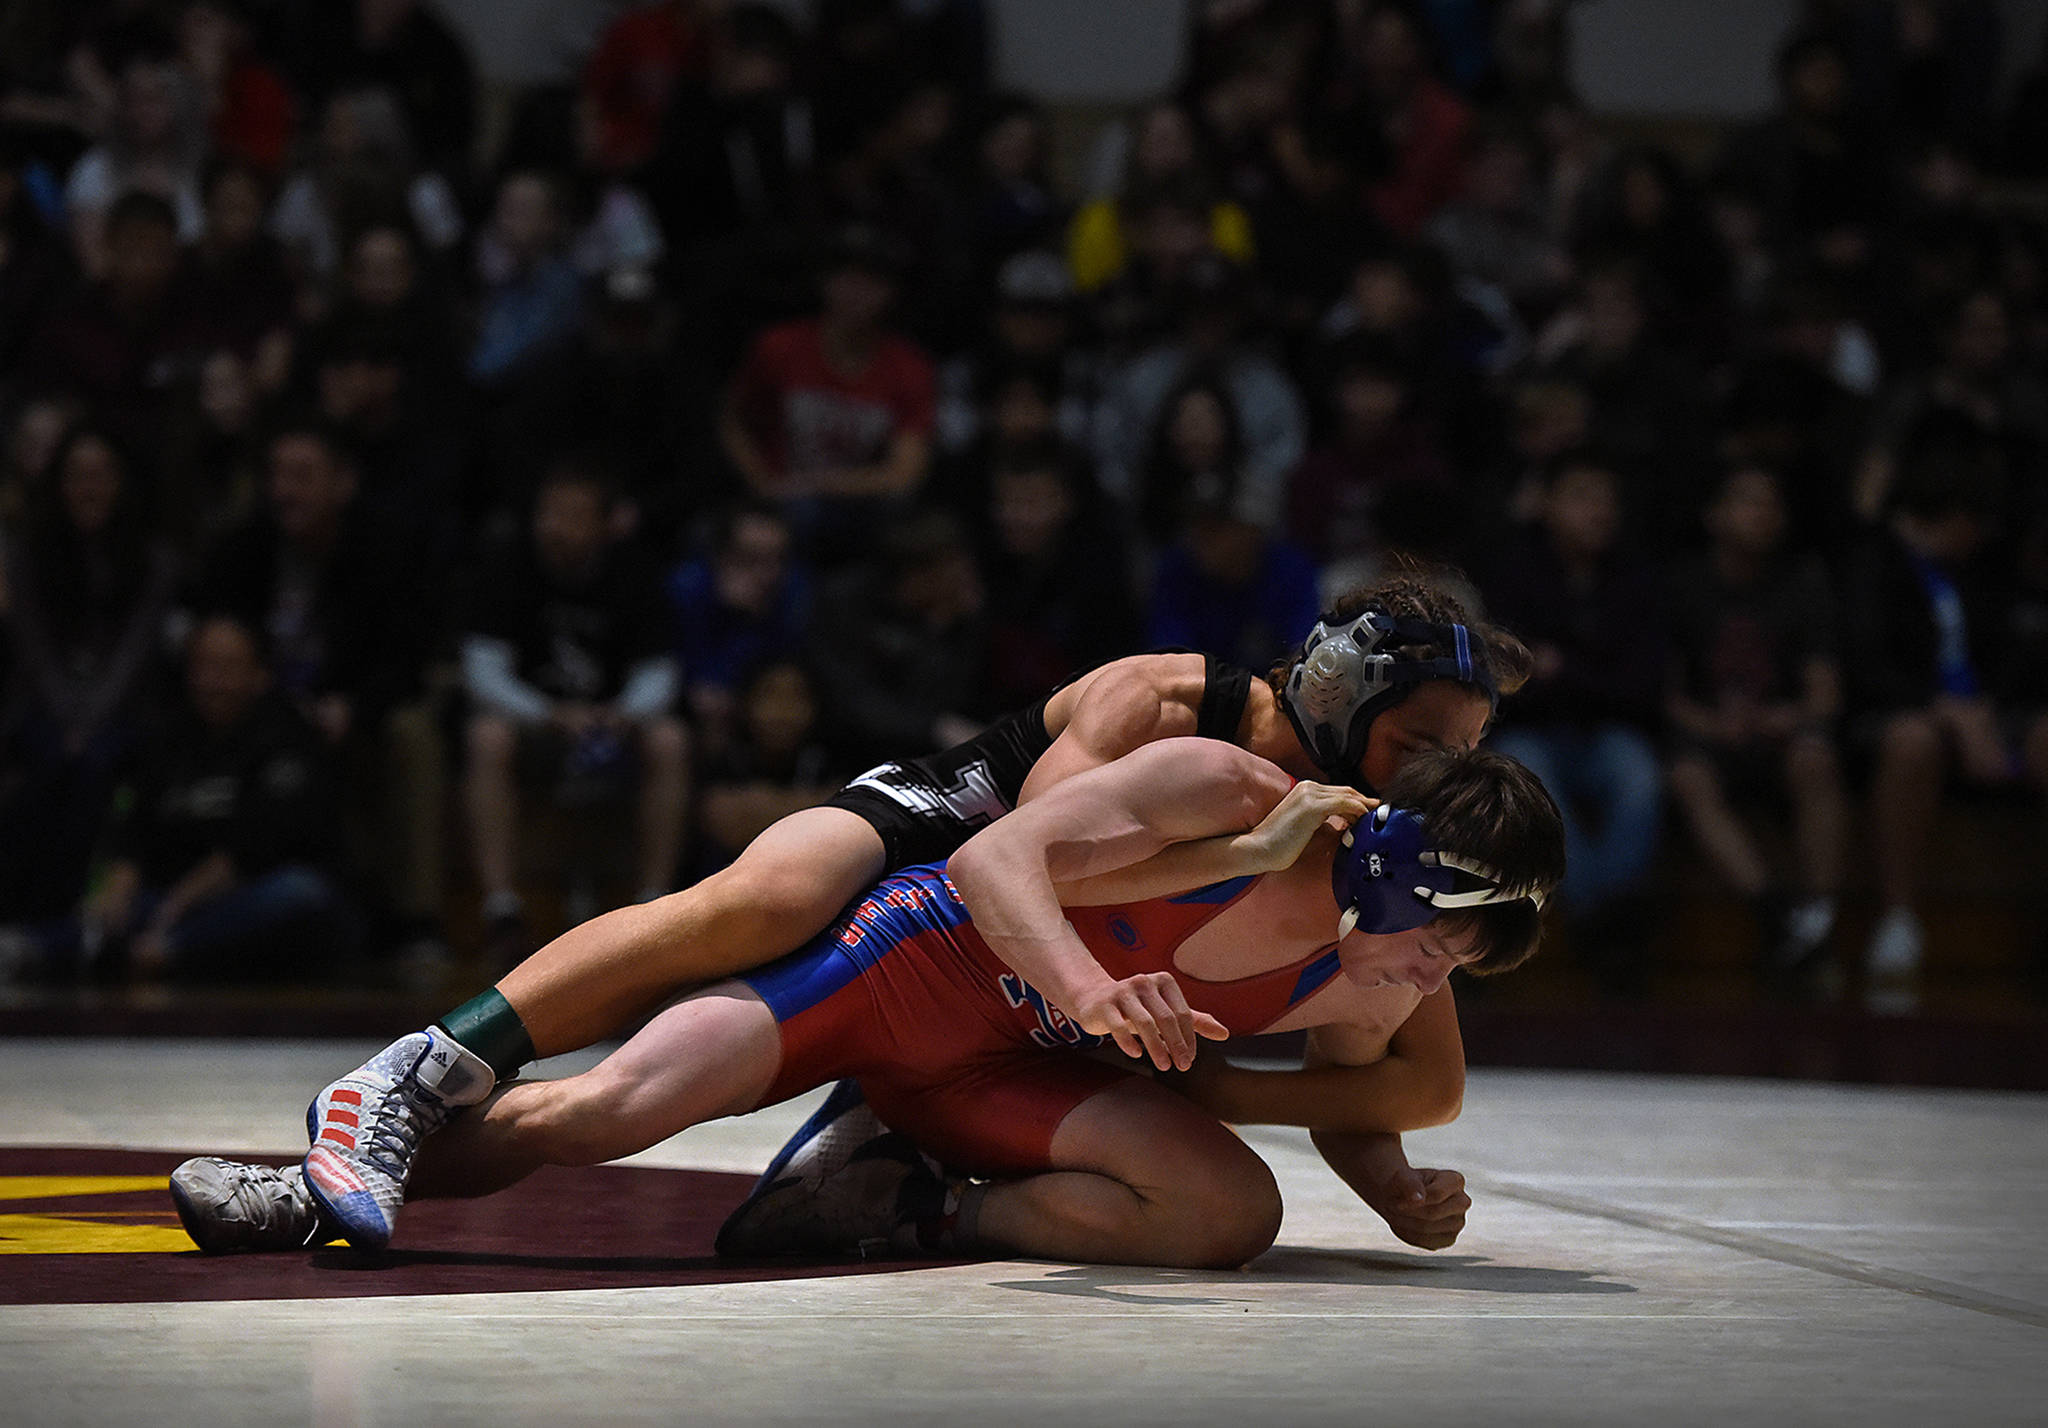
<point>1388,879</point>
<point>1351,670</point>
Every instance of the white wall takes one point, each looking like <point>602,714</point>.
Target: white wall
<point>1693,57</point>
<point>1088,51</point>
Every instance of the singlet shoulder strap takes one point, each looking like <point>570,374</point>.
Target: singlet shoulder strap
<point>1225,689</point>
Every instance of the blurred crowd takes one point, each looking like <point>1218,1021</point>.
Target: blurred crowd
<point>378,484</point>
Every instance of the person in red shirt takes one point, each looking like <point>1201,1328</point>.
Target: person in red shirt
<point>632,73</point>
<point>832,416</point>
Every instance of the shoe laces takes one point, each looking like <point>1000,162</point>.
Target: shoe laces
<point>404,1114</point>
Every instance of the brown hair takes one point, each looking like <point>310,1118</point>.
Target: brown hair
<point>1485,806</point>
<point>1422,590</point>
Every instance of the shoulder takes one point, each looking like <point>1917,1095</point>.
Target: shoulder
<point>1159,691</point>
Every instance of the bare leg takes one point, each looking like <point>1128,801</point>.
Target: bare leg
<point>783,890</point>
<point>710,1055</point>
<point>1143,1177</point>
<point>492,801</point>
<point>1906,792</point>
<point>1820,811</point>
<point>665,761</point>
<point>1697,786</point>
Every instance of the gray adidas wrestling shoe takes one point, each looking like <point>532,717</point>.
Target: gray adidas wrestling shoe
<point>367,1127</point>
<point>227,1206</point>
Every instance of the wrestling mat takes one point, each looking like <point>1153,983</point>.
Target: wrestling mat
<point>81,1226</point>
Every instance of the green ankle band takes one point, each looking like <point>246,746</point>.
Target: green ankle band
<point>487,1027</point>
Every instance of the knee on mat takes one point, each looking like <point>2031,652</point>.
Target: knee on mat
<point>1224,1214</point>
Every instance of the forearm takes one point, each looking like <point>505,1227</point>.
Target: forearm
<point>1389,1096</point>
<point>1095,823</point>
<point>209,878</point>
<point>1363,1160</point>
<point>1194,863</point>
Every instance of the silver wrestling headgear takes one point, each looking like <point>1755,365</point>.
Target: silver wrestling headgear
<point>1351,670</point>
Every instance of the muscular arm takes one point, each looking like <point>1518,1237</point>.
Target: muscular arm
<point>1355,1081</point>
<point>1095,823</point>
<point>1131,703</point>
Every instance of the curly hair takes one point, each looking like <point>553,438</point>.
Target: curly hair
<point>1425,590</point>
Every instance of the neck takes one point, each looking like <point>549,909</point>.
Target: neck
<point>1266,730</point>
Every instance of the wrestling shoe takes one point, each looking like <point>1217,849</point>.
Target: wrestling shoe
<point>822,1148</point>
<point>366,1128</point>
<point>227,1206</point>
<point>877,1203</point>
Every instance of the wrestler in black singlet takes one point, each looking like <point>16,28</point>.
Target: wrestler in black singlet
<point>925,808</point>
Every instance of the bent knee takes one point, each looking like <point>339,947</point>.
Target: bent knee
<point>1237,1227</point>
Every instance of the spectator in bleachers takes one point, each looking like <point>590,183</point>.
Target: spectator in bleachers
<point>1030,326</point>
<point>36,430</point>
<point>88,590</point>
<point>388,289</point>
<point>569,663</point>
<point>831,417</point>
<point>222,860</point>
<point>1649,410</point>
<point>532,294</point>
<point>251,112</point>
<point>1645,207</point>
<point>779,763</point>
<point>899,643</point>
<point>1819,178</point>
<point>1379,478</point>
<point>210,466</point>
<point>1161,160</point>
<point>1211,339</point>
<point>1755,690</point>
<point>1796,404</point>
<point>741,606</point>
<point>360,173</point>
<point>1921,69</point>
<point>156,146</point>
<point>405,437</point>
<point>1975,387</point>
<point>1016,208</point>
<point>1223,584</point>
<point>400,46</point>
<point>620,384</point>
<point>1919,630</point>
<point>1058,574</point>
<point>1495,235</point>
<point>736,147</point>
<point>640,61</point>
<point>1419,122</point>
<point>1589,607</point>
<point>1545,420</point>
<point>121,341</point>
<point>241,286</point>
<point>348,618</point>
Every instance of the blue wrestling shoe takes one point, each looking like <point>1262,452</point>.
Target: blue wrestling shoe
<point>367,1127</point>
<point>833,1187</point>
